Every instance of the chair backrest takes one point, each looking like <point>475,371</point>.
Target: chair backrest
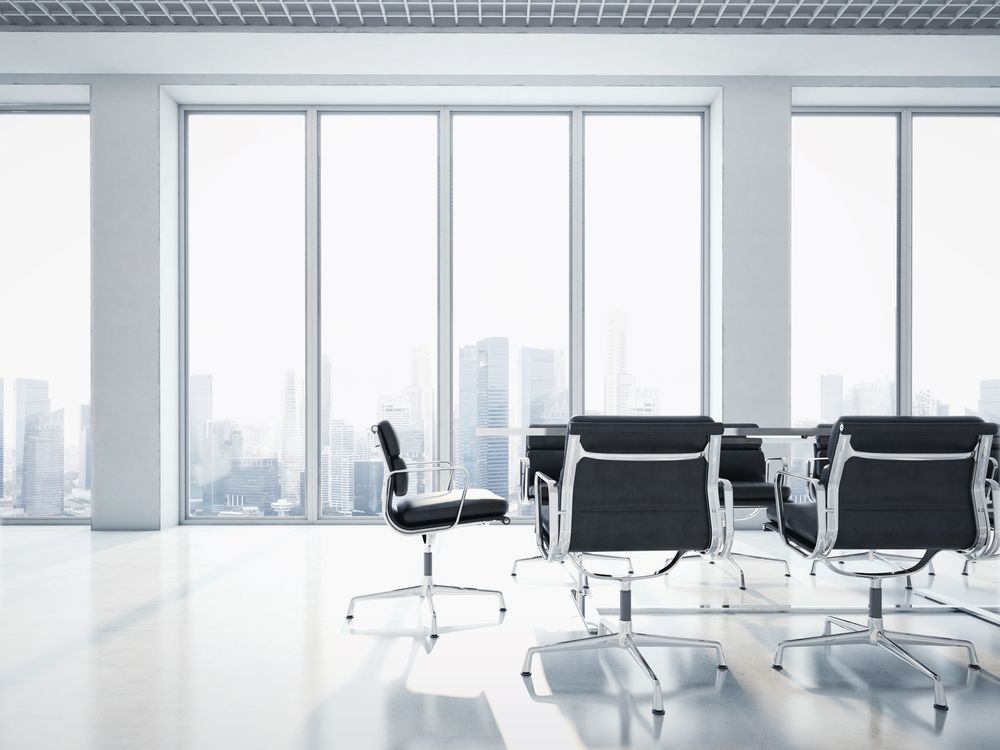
<point>821,449</point>
<point>389,442</point>
<point>640,483</point>
<point>742,458</point>
<point>545,454</point>
<point>907,482</point>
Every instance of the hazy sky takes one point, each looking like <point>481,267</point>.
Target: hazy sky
<point>45,260</point>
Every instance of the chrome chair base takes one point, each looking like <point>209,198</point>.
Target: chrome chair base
<point>627,640</point>
<point>427,590</point>
<point>876,557</point>
<point>874,634</point>
<point>731,559</point>
<point>627,560</point>
<point>965,567</point>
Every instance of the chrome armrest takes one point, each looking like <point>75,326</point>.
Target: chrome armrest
<point>555,511</point>
<point>452,469</point>
<point>994,465</point>
<point>522,479</point>
<point>728,514</point>
<point>820,492</point>
<point>440,462</point>
<point>770,471</point>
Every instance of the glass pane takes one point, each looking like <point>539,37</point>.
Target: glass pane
<point>379,322</point>
<point>643,219</point>
<point>510,230</point>
<point>956,264</point>
<point>45,433</point>
<point>844,246</point>
<point>246,306</point>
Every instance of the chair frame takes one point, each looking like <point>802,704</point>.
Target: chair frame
<point>556,549</point>
<point>828,517</point>
<point>426,589</point>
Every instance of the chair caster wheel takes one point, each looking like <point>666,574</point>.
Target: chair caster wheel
<point>932,574</point>
<point>743,588</point>
<point>658,712</point>
<point>788,575</point>
<point>813,575</point>
<point>434,635</point>
<point>940,707</point>
<point>974,666</point>
<point>525,674</point>
<point>349,617</point>
<point>503,609</point>
<point>777,667</point>
<point>723,667</point>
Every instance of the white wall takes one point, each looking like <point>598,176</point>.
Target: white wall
<point>135,179</point>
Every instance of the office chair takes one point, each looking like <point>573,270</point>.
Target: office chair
<point>742,462</point>
<point>633,483</point>
<point>429,514</point>
<point>892,483</point>
<point>814,468</point>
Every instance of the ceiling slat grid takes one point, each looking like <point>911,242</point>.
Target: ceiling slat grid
<point>887,16</point>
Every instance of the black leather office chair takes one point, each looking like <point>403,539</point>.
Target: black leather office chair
<point>892,483</point>
<point>633,483</point>
<point>428,514</point>
<point>545,453</point>
<point>814,468</point>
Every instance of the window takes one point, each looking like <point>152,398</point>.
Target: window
<point>379,235</point>
<point>956,264</point>
<point>643,261</point>
<point>510,229</point>
<point>246,314</point>
<point>844,251</point>
<point>45,432</point>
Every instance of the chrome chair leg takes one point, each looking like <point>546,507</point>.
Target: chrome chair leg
<point>626,559</point>
<point>915,639</point>
<point>671,641</point>
<point>577,644</point>
<point>393,594</point>
<point>837,639</point>
<point>633,651</point>
<point>467,591</point>
<point>743,580</point>
<point>848,625</point>
<point>940,702</point>
<point>965,568</point>
<point>788,571</point>
<point>513,570</point>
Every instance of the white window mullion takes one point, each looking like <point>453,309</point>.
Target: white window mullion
<point>312,280</point>
<point>904,346</point>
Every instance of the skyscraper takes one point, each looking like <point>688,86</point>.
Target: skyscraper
<point>223,444</point>
<point>340,478</point>
<point>989,399</point>
<point>32,403</point>
<point>538,384</point>
<point>292,434</point>
<point>86,447</point>
<point>465,426</point>
<point>877,398</point>
<point>368,478</point>
<point>492,410</point>
<point>199,417</point>
<point>252,483</point>
<point>831,397</point>
<point>43,483</point>
<point>618,383</point>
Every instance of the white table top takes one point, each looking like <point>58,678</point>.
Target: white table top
<point>770,433</point>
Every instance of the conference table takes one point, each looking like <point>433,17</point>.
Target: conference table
<point>941,603</point>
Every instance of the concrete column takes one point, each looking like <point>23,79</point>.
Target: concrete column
<point>128,361</point>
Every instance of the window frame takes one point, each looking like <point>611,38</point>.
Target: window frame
<point>904,221</point>
<point>445,356</point>
<point>52,109</point>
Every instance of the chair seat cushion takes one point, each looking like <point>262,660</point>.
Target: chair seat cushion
<point>800,520</point>
<point>414,512</point>
<point>756,494</point>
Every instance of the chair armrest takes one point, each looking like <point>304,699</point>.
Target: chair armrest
<point>522,479</point>
<point>439,462</point>
<point>819,490</point>
<point>729,527</point>
<point>555,512</point>
<point>770,470</point>
<point>452,469</point>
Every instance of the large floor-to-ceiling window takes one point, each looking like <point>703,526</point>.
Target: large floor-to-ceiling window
<point>643,217</point>
<point>843,265</point>
<point>378,260</point>
<point>510,243</point>
<point>45,424</point>
<point>246,314</point>
<point>344,266</point>
<point>956,264</point>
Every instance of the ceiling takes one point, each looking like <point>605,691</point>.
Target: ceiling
<point>791,16</point>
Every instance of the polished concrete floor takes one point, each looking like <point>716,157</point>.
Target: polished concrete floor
<point>234,637</point>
